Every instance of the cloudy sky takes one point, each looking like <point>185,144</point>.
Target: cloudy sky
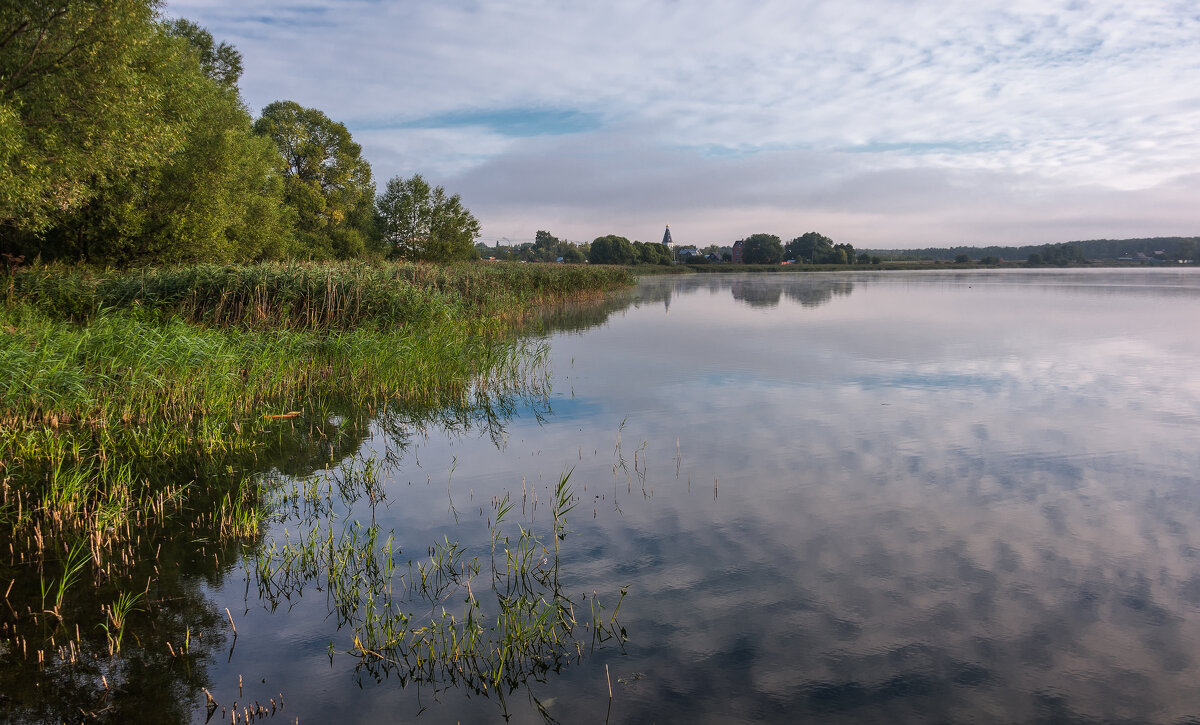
<point>883,123</point>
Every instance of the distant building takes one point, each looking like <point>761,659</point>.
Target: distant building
<point>738,247</point>
<point>667,236</point>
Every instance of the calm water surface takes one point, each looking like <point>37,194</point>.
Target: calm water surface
<point>846,498</point>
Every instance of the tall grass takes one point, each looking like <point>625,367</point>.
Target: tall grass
<point>122,369</point>
<point>313,297</point>
<point>123,384</point>
<point>138,408</point>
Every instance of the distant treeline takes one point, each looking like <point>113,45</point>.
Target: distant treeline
<point>1167,248</point>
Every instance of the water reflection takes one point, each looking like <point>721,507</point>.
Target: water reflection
<point>947,497</point>
<point>939,497</point>
<point>926,497</point>
<point>89,658</point>
<point>762,291</point>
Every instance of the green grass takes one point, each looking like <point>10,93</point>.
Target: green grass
<point>150,418</point>
<point>313,297</point>
<point>125,394</point>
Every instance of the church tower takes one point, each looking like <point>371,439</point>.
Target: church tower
<point>667,236</point>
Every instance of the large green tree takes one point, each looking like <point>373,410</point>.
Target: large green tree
<point>327,182</point>
<point>421,222</point>
<point>612,249</point>
<point>810,247</point>
<point>762,249</point>
<point>215,196</point>
<point>211,190</point>
<point>652,253</point>
<point>78,101</point>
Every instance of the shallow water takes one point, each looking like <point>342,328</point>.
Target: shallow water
<point>877,497</point>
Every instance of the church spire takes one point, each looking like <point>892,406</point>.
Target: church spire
<point>667,236</point>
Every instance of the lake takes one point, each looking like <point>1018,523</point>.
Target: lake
<point>861,497</point>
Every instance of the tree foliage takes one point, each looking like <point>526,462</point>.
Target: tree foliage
<point>123,140</point>
<point>652,253</point>
<point>210,190</point>
<point>809,247</point>
<point>327,183</point>
<point>77,103</point>
<point>217,197</point>
<point>422,222</point>
<point>545,247</point>
<point>612,249</point>
<point>762,249</point>
<point>1056,254</point>
<point>220,62</point>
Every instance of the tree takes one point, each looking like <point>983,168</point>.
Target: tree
<point>1186,250</point>
<point>549,248</point>
<point>216,195</point>
<point>612,249</point>
<point>962,259</point>
<point>76,104</point>
<point>810,247</point>
<point>545,241</point>
<point>762,249</point>
<point>652,253</point>
<point>326,180</point>
<point>1057,254</point>
<point>420,222</point>
<point>222,63</point>
<point>843,254</point>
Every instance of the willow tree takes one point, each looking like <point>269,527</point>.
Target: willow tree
<point>214,195</point>
<point>326,180</point>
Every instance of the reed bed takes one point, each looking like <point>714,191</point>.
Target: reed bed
<point>142,412</point>
<point>121,369</point>
<point>313,297</point>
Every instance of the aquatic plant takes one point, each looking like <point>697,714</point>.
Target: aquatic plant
<point>313,297</point>
<point>517,624</point>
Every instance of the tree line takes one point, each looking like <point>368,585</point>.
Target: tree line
<point>124,139</point>
<point>1159,248</point>
<point>810,248</point>
<point>609,249</point>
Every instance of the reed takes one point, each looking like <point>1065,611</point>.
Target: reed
<point>136,406</point>
<point>312,297</point>
<point>516,623</point>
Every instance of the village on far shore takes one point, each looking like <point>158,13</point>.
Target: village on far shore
<point>813,248</point>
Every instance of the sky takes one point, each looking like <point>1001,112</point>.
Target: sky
<point>882,123</point>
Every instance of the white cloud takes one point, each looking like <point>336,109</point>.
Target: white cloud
<point>922,112</point>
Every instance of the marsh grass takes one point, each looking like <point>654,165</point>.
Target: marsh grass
<point>147,416</point>
<point>313,297</point>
